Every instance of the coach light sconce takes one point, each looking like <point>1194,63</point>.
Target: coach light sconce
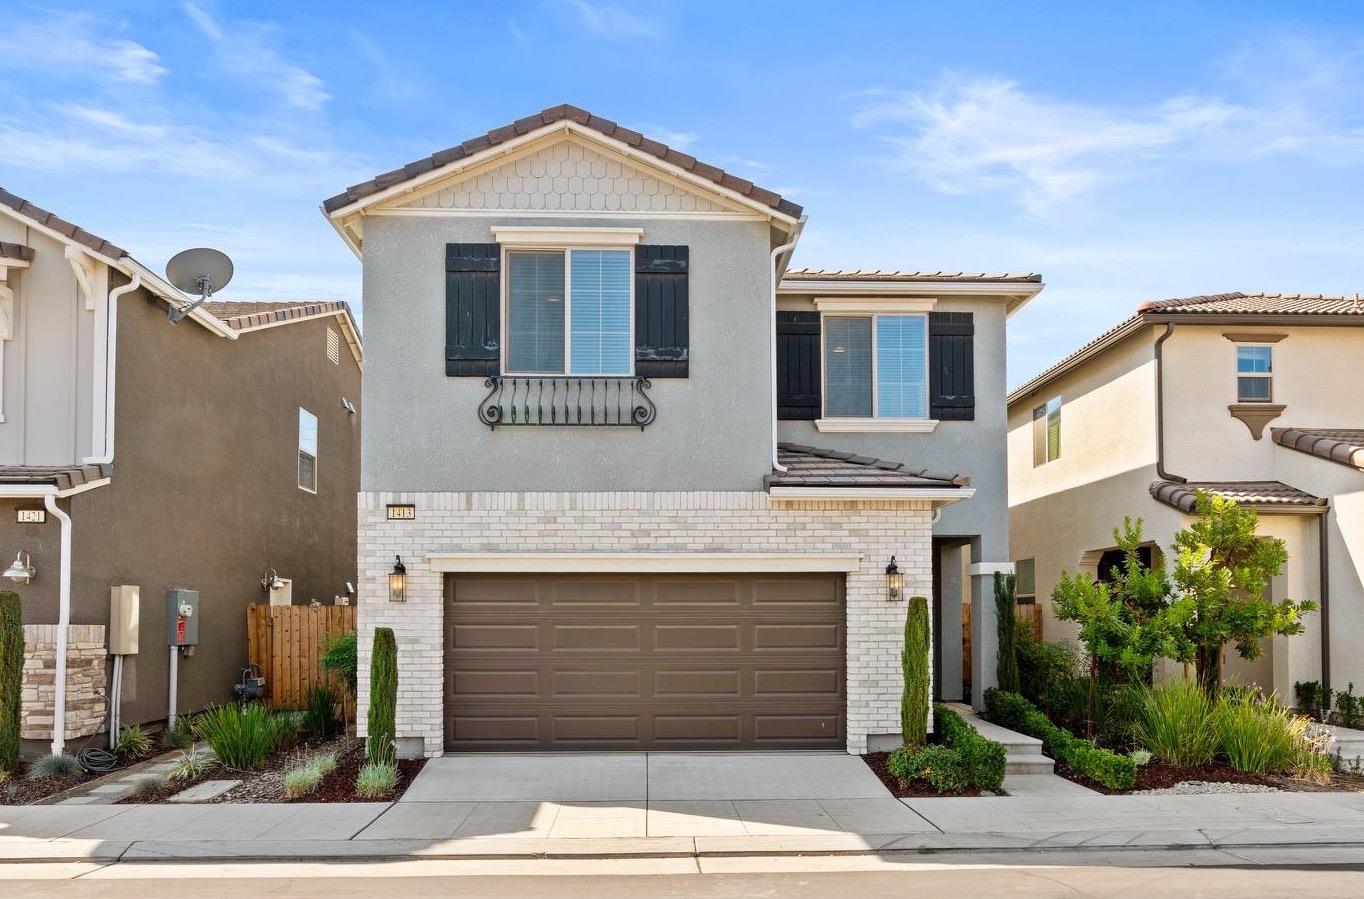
<point>895,582</point>
<point>271,581</point>
<point>397,581</point>
<point>21,571</point>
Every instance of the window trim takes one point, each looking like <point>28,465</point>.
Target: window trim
<point>876,422</point>
<point>1265,376</point>
<point>505,310</point>
<point>1031,598</point>
<point>1046,432</point>
<point>302,452</point>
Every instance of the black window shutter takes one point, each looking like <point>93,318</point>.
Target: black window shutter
<point>951,366</point>
<point>661,314</point>
<point>473,329</point>
<point>798,366</point>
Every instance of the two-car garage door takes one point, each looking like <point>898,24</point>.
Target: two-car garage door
<point>607,661</point>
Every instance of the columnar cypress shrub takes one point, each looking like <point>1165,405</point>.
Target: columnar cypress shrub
<point>383,698</point>
<point>11,677</point>
<point>914,662</point>
<point>1006,623</point>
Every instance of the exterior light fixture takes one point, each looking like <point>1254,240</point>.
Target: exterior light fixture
<point>271,581</point>
<point>397,581</point>
<point>21,571</point>
<point>895,582</point>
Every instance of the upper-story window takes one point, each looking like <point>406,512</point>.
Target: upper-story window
<point>1025,581</point>
<point>1046,432</point>
<point>876,366</point>
<point>569,312</point>
<point>307,450</point>
<point>1254,374</point>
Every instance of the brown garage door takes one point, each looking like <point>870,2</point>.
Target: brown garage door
<point>644,662</point>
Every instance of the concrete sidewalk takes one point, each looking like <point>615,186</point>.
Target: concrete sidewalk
<point>706,829</point>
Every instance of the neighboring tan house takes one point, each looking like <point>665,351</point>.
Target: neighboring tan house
<point>644,482</point>
<point>138,453</point>
<point>1252,396</point>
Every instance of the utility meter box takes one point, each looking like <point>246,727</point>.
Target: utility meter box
<point>182,616</point>
<point>124,600</point>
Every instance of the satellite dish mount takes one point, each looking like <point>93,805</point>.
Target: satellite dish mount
<point>201,271</point>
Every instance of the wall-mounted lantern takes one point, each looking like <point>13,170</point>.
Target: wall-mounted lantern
<point>21,570</point>
<point>895,582</point>
<point>397,581</point>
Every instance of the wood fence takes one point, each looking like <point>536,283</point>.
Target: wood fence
<point>284,642</point>
<point>1029,614</point>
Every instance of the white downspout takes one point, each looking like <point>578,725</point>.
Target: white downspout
<point>63,624</point>
<point>110,371</point>
<point>772,275</point>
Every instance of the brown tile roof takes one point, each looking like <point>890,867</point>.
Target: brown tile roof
<point>15,251</point>
<point>808,466</point>
<point>821,274</point>
<point>563,112</point>
<point>63,477</point>
<point>61,226</point>
<point>239,314</point>
<point>1262,494</point>
<point>1343,445</point>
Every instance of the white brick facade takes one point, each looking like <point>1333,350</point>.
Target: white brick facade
<point>710,522</point>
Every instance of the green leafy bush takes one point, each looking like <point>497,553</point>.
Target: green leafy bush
<point>1349,710</point>
<point>914,665</point>
<point>339,658</point>
<point>132,742</point>
<point>983,759</point>
<point>11,677</point>
<point>1177,722</point>
<point>242,737</point>
<point>308,777</point>
<point>53,765</point>
<point>320,718</point>
<point>1049,677</point>
<point>288,729</point>
<point>1310,697</point>
<point>1258,735</point>
<point>376,779</point>
<point>1117,772</point>
<point>939,766</point>
<point>181,734</point>
<point>383,698</point>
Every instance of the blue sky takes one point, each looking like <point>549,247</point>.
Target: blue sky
<point>1125,151</point>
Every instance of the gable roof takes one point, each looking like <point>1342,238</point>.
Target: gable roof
<point>562,113</point>
<point>253,315</point>
<point>808,466</point>
<point>1217,306</point>
<point>819,274</point>
<point>1266,496</point>
<point>1343,445</point>
<point>61,226</point>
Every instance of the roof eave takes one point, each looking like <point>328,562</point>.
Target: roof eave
<point>938,496</point>
<point>1132,326</point>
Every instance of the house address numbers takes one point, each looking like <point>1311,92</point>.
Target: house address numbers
<point>402,512</point>
<point>32,516</point>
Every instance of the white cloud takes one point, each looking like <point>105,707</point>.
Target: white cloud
<point>682,141</point>
<point>78,44</point>
<point>986,133</point>
<point>605,20</point>
<point>244,49</point>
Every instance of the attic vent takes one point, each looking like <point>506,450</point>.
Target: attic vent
<point>333,347</point>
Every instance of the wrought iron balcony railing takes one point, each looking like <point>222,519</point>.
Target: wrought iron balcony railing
<point>567,401</point>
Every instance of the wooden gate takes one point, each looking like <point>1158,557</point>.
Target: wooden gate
<point>284,643</point>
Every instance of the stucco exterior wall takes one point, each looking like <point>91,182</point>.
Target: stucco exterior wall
<point>713,430</point>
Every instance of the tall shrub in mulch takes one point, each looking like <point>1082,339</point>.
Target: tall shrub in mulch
<point>1006,623</point>
<point>914,662</point>
<point>11,677</point>
<point>383,698</point>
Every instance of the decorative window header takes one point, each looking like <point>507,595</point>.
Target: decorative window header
<point>566,237</point>
<point>874,304</point>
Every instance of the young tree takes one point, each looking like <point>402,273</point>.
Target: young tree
<point>1006,626</point>
<point>1221,571</point>
<point>914,665</point>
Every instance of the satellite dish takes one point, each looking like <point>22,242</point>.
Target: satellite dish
<point>201,271</point>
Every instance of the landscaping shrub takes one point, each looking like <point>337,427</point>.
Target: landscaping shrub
<point>242,737</point>
<point>939,766</point>
<point>11,677</point>
<point>376,779</point>
<point>1258,735</point>
<point>1349,710</point>
<point>181,734</point>
<point>1117,772</point>
<point>288,728</point>
<point>339,659</point>
<point>1006,627</point>
<point>148,784</point>
<point>983,759</point>
<point>132,741</point>
<point>1311,698</point>
<point>53,765</point>
<point>1048,676</point>
<point>308,777</point>
<point>191,764</point>
<point>1177,722</point>
<point>914,663</point>
<point>383,699</point>
<point>320,718</point>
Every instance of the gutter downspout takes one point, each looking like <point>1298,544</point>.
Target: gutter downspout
<point>1160,407</point>
<point>63,624</point>
<point>772,274</point>
<point>110,370</point>
<point>1324,593</point>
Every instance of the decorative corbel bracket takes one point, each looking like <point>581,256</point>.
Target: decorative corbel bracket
<point>83,267</point>
<point>1256,415</point>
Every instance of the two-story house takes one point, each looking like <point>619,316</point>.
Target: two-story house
<point>1253,397</point>
<point>629,483</point>
<point>137,456</point>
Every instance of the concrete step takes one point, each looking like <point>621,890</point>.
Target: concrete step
<point>1028,764</point>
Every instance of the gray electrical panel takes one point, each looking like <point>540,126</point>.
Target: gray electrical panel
<point>182,616</point>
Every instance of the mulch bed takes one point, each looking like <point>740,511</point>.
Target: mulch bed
<point>17,789</point>
<point>1157,775</point>
<point>877,762</point>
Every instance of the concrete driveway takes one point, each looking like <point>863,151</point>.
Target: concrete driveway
<point>640,794</point>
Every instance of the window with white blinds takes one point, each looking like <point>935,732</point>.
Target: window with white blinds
<point>1046,432</point>
<point>569,312</point>
<point>876,366</point>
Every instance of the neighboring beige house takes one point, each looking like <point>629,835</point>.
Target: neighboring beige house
<point>1253,396</point>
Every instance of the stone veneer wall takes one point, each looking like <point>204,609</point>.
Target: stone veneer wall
<point>637,522</point>
<point>86,681</point>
